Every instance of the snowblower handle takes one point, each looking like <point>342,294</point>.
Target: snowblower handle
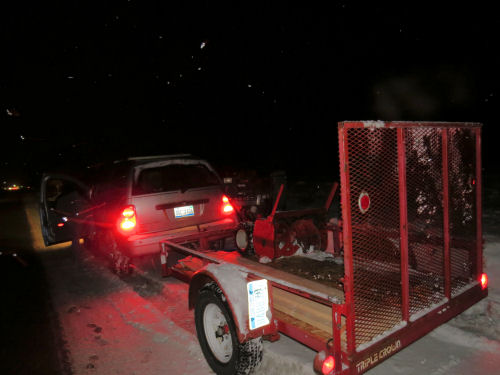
<point>271,216</point>
<point>332,194</point>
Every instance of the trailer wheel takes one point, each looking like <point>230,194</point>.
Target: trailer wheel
<point>217,336</point>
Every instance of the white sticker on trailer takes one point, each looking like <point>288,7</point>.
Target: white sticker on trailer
<point>258,303</point>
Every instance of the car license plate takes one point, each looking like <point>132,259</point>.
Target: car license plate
<point>183,211</point>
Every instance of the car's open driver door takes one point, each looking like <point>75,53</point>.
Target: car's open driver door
<point>64,209</point>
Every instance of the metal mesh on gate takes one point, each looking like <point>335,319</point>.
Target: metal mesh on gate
<point>373,170</point>
<point>376,173</point>
<point>463,224</point>
<point>424,183</point>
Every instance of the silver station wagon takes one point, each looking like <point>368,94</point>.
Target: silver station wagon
<point>125,208</point>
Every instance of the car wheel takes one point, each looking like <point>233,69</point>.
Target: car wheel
<point>108,246</point>
<point>89,242</point>
<point>218,339</point>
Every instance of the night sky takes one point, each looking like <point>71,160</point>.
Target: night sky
<point>259,84</point>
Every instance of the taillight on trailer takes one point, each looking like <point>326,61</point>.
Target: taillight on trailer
<point>328,365</point>
<point>484,281</point>
<point>324,363</point>
<point>128,220</point>
<point>227,208</point>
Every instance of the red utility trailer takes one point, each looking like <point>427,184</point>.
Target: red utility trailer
<point>410,240</point>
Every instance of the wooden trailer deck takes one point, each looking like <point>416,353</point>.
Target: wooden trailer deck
<point>299,304</point>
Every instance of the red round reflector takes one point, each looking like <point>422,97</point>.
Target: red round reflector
<point>364,202</point>
<point>328,365</point>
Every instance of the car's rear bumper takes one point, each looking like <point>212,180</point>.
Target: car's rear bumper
<point>148,244</point>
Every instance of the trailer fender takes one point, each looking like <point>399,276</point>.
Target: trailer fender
<point>233,284</point>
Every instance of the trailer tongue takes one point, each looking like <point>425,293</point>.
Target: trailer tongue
<point>410,237</point>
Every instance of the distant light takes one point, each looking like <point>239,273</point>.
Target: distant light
<point>22,137</point>
<point>202,45</point>
<point>12,112</point>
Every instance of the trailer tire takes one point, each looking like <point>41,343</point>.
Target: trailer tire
<point>211,312</point>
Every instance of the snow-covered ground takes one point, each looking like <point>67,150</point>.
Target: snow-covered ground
<point>131,325</point>
<point>468,344</point>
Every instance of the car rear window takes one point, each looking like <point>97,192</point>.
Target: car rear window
<point>173,177</point>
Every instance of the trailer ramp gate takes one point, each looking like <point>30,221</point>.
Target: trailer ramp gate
<point>411,206</point>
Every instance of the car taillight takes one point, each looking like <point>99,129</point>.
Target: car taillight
<point>227,208</point>
<point>127,220</point>
<point>484,281</point>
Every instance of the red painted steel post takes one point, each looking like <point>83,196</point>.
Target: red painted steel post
<point>479,206</point>
<point>347,234</point>
<point>446,214</point>
<point>403,225</point>
<point>337,325</point>
<point>165,271</point>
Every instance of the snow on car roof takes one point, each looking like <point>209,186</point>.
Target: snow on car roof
<point>159,157</point>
